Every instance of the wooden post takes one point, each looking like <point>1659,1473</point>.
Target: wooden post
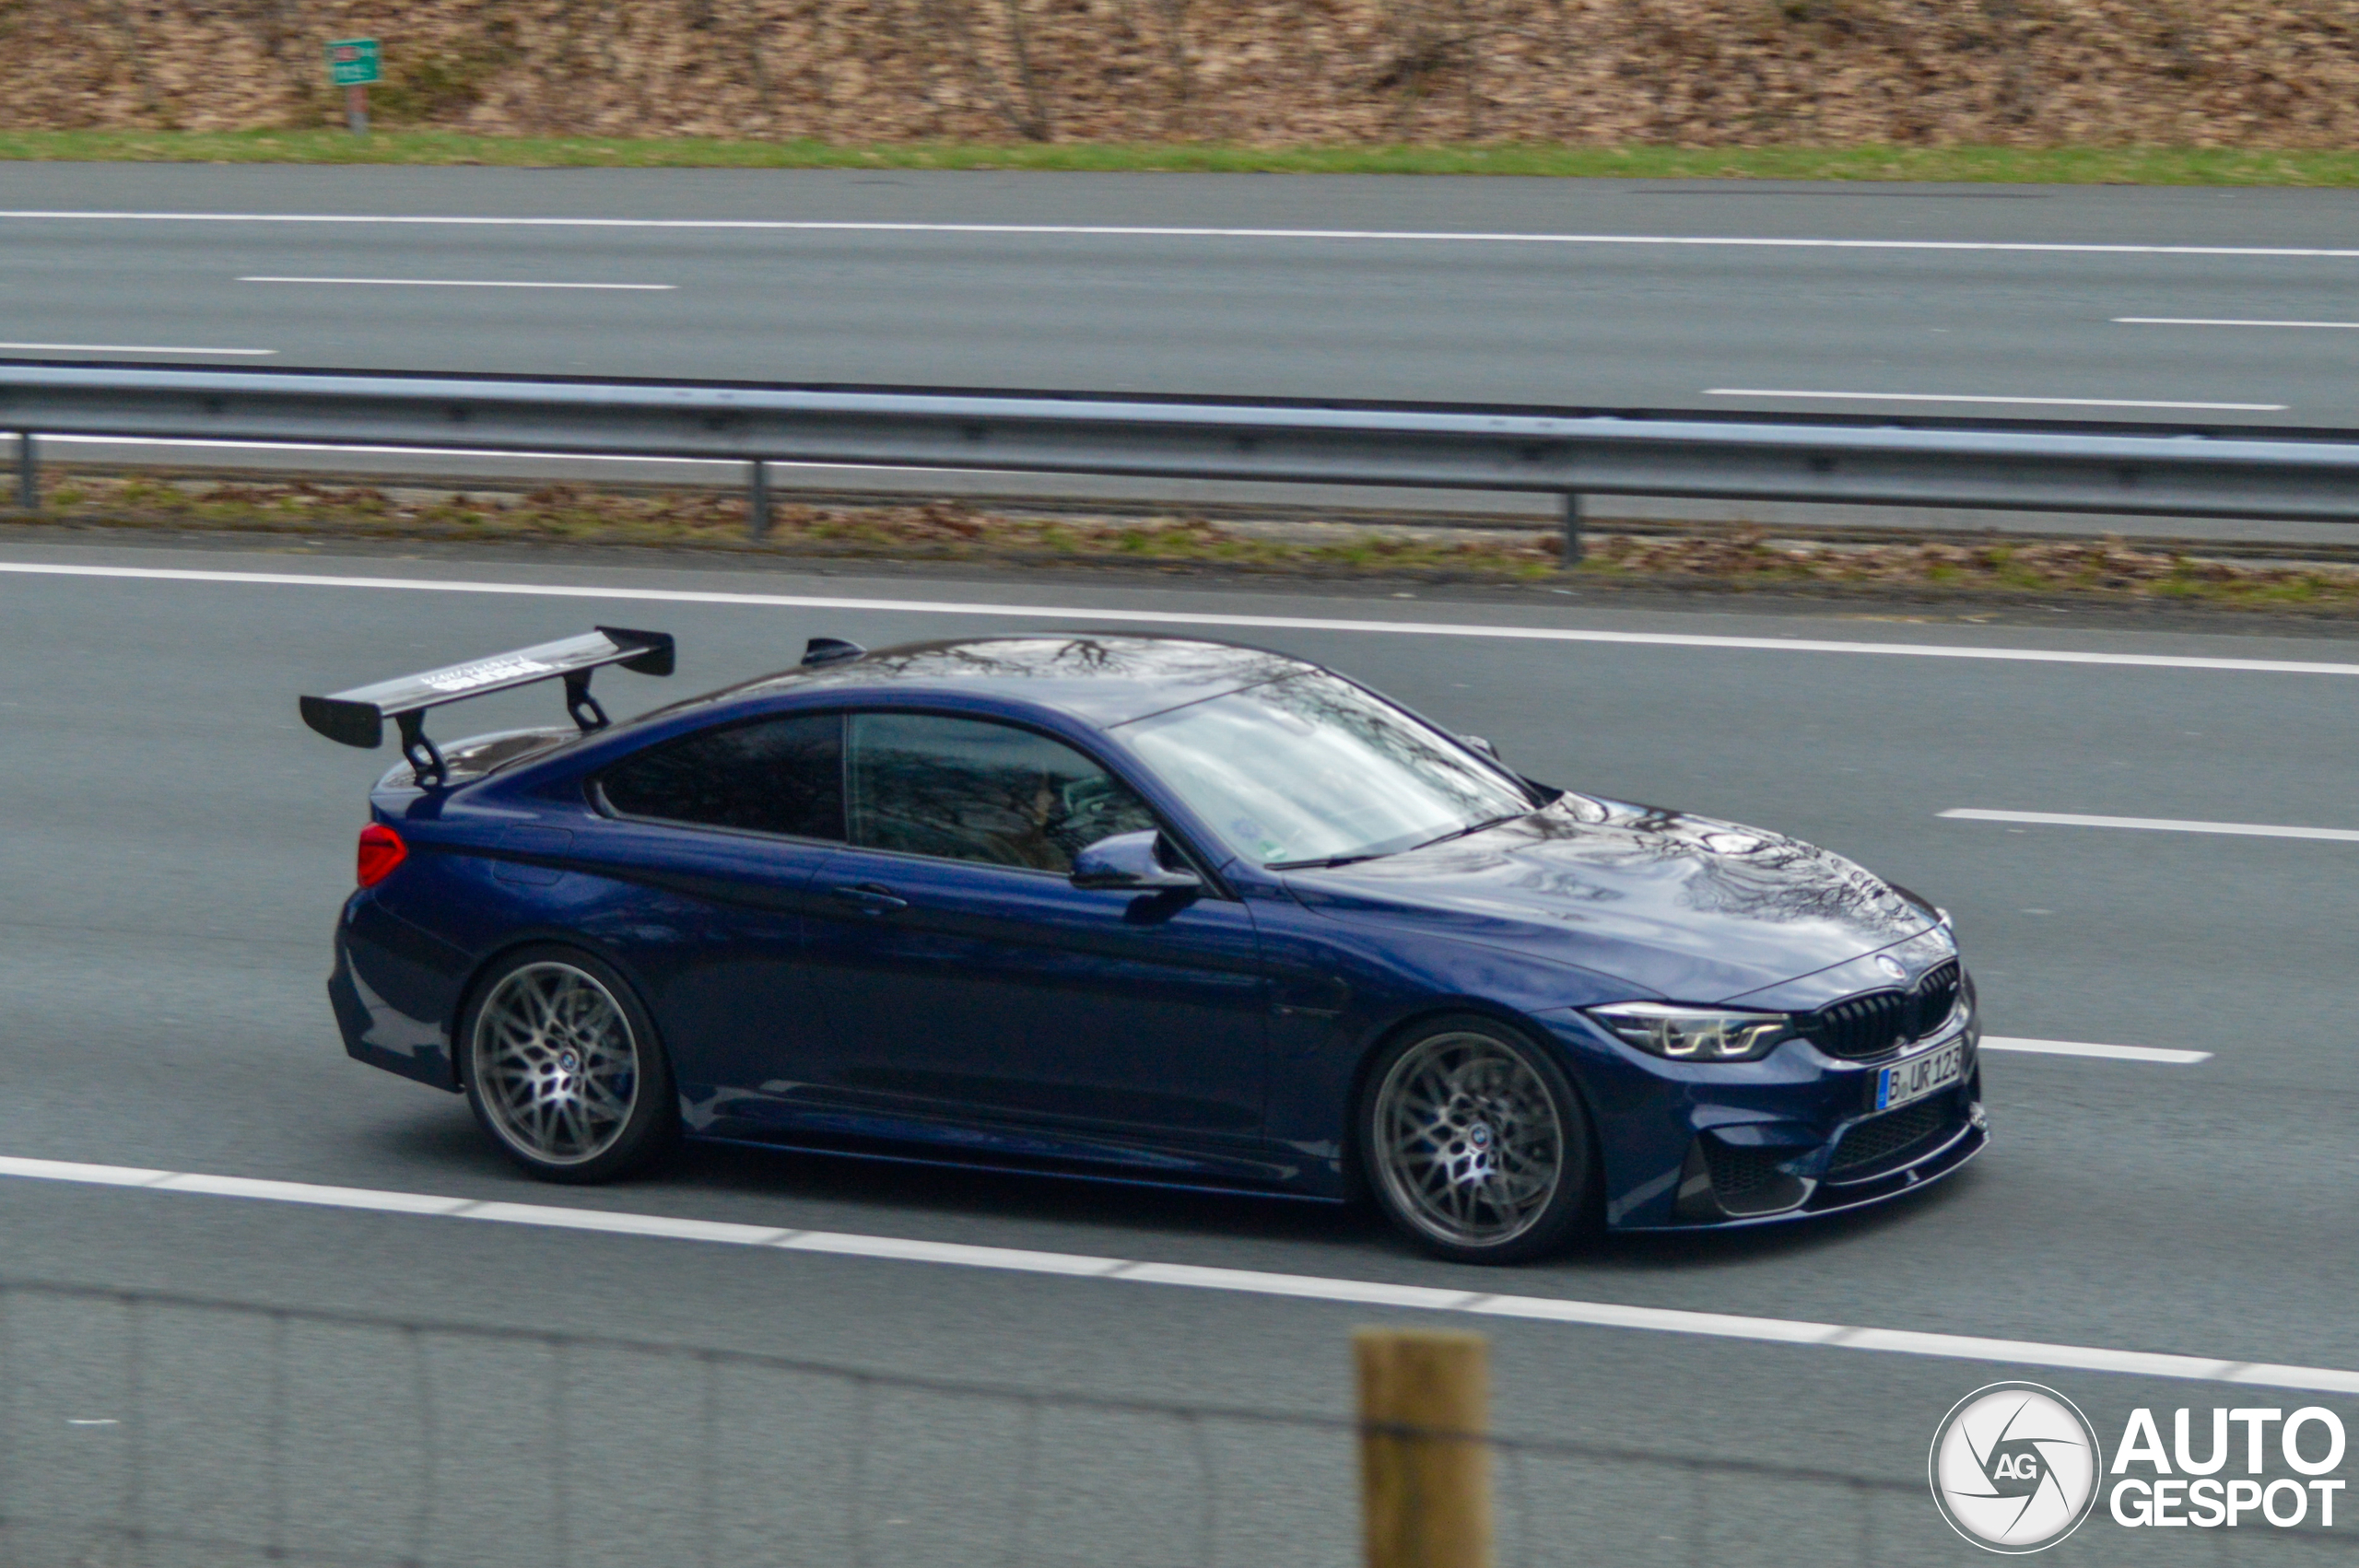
<point>1425,1457</point>
<point>355,110</point>
<point>28,472</point>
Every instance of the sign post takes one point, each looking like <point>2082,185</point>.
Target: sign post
<point>352,66</point>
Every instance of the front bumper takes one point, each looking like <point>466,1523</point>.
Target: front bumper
<point>1944,1132</point>
<point>1705,1145</point>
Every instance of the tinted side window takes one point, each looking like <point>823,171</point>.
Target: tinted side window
<point>773,776</point>
<point>969,789</point>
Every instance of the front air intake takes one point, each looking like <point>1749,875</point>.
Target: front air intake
<point>1738,1181</point>
<point>1877,1140</point>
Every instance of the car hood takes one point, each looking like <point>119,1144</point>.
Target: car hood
<point>1688,908</point>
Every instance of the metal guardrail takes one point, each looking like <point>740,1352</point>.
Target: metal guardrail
<point>2005,465</point>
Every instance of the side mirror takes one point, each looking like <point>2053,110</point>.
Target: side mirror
<point>1480,745</point>
<point>1129,860</point>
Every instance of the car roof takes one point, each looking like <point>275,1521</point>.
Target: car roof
<point>1103,679</point>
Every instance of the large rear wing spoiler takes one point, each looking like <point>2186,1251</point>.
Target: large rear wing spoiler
<point>357,716</point>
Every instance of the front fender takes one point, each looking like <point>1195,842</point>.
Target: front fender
<point>1342,989</point>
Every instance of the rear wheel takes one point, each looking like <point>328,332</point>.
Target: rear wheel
<point>564,1069</point>
<point>1473,1143</point>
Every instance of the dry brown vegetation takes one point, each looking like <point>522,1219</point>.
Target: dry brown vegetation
<point>2227,73</point>
<point>1724,559</point>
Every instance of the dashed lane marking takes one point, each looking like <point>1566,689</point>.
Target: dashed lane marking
<point>460,283</point>
<point>2155,824</point>
<point>126,348</point>
<point>2090,1048</point>
<point>2227,322</point>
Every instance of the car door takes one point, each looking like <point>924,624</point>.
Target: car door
<point>723,830</point>
<point>970,985</point>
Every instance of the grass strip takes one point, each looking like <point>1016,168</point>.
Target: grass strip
<point>2061,165</point>
<point>2104,569</point>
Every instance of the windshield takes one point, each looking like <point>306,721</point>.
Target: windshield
<point>1311,770</point>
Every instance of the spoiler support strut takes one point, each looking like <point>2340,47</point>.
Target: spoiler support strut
<point>579,706</point>
<point>424,757</point>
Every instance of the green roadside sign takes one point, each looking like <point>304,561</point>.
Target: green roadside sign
<point>352,62</point>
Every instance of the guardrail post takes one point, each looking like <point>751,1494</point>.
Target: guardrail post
<point>1424,1449</point>
<point>1571,554</point>
<point>758,500</point>
<point>28,472</point>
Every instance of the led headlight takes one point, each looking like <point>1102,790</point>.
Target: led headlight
<point>1695,1033</point>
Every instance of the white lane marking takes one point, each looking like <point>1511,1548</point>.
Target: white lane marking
<point>736,464</point>
<point>1148,232</point>
<point>122,348</point>
<point>2157,823</point>
<point>2221,321</point>
<point>960,1255</point>
<point>459,283</point>
<point>603,1219</point>
<point>1184,618</point>
<point>1974,397</point>
<point>299,1192</point>
<point>1300,1287</point>
<point>2089,1049</point>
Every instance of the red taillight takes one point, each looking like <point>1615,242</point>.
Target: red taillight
<point>381,849</point>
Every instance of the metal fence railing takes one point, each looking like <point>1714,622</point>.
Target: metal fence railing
<point>142,1430</point>
<point>2154,470</point>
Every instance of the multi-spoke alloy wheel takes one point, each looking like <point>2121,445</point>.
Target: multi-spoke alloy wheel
<point>1474,1144</point>
<point>563,1071</point>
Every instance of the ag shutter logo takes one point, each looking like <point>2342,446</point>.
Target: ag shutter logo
<point>2015,1467</point>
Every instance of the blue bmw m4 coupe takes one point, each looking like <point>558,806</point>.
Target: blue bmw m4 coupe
<point>1134,908</point>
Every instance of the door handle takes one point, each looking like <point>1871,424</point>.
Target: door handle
<point>871,899</point>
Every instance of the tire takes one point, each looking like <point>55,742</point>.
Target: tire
<point>564,1069</point>
<point>1473,1143</point>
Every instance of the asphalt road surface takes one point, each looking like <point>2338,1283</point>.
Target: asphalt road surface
<point>176,846</point>
<point>2193,306</point>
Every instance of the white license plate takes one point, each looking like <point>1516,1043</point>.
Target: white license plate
<point>1906,1081</point>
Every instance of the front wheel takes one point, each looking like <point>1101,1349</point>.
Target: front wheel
<point>563,1068</point>
<point>1474,1144</point>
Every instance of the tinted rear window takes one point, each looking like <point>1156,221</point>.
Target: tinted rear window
<point>772,776</point>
